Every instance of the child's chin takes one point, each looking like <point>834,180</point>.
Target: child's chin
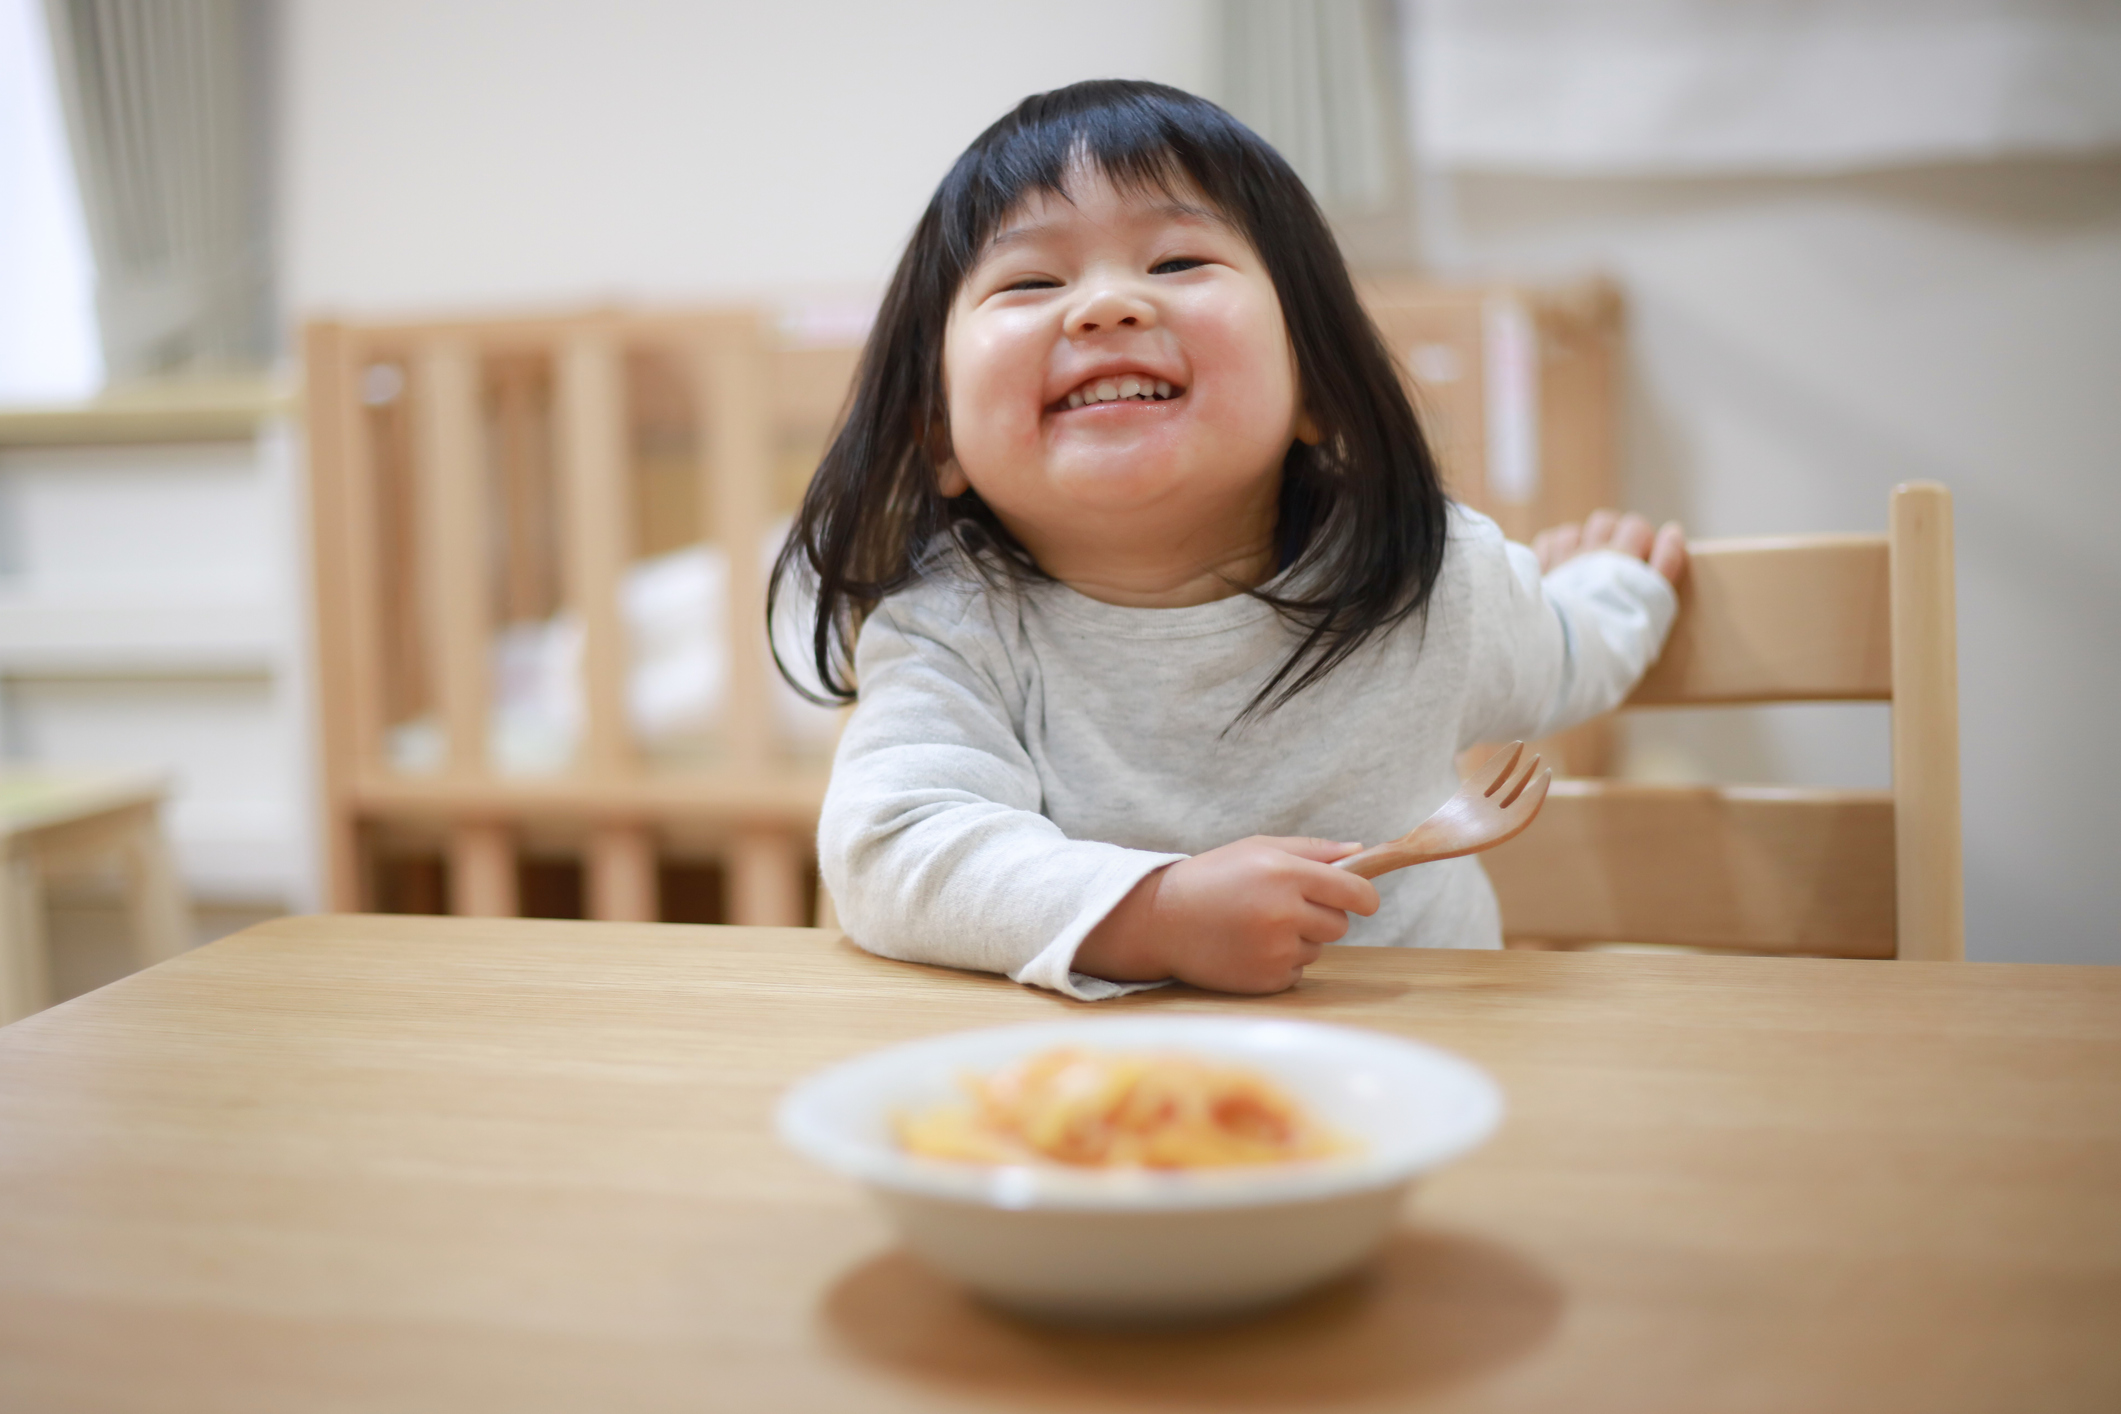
<point>1115,488</point>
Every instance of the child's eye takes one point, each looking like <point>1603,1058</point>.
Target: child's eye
<point>1034,282</point>
<point>1175,265</point>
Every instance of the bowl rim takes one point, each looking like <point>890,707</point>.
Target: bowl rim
<point>802,1124</point>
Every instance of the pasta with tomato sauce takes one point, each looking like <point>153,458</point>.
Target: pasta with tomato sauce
<point>1097,1109</point>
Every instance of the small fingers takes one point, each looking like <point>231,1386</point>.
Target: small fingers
<point>1633,535</point>
<point>1305,847</point>
<point>1598,529</point>
<point>1317,925</point>
<point>1668,556</point>
<point>1340,890</point>
<point>1556,544</point>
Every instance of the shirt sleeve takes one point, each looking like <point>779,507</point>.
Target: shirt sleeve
<point>931,838</point>
<point>1555,650</point>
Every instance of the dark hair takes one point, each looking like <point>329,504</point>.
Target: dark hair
<point>1362,514</point>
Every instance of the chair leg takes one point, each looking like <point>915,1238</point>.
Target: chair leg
<point>482,871</point>
<point>622,882</point>
<point>25,965</point>
<point>155,898</point>
<point>766,881</point>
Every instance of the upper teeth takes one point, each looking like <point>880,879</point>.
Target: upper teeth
<point>1111,390</point>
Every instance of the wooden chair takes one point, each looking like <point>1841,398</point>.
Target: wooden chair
<point>53,822</point>
<point>1870,874</point>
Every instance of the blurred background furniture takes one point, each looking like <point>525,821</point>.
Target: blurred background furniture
<point>1844,873</point>
<point>53,822</point>
<point>1518,388</point>
<point>152,622</point>
<point>541,548</point>
<point>498,506</point>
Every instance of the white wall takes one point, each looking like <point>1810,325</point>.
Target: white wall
<point>1799,345</point>
<point>489,153</point>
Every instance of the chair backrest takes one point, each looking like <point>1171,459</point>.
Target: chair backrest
<point>1778,869</point>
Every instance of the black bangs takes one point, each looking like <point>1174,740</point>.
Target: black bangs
<point>1131,133</point>
<point>1362,513</point>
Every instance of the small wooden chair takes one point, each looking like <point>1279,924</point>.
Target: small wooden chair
<point>1844,873</point>
<point>50,822</point>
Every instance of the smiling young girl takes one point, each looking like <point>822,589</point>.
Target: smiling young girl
<point>1151,593</point>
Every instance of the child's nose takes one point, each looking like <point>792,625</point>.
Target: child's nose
<point>1109,307</point>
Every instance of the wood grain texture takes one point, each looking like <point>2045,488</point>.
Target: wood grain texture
<point>1761,869</point>
<point>423,1164</point>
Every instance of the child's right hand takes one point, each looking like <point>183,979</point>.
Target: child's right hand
<point>1248,917</point>
<point>1662,547</point>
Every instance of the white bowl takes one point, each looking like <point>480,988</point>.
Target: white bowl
<point>1117,1245</point>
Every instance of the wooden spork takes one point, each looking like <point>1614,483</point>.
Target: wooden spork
<point>1494,805</point>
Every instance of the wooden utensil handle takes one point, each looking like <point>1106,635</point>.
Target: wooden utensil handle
<point>1379,859</point>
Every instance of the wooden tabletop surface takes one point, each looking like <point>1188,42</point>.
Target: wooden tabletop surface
<point>339,1164</point>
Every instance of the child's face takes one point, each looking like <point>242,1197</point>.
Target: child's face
<point>1107,293</point>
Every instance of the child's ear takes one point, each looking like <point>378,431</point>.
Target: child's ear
<point>1307,431</point>
<point>950,478</point>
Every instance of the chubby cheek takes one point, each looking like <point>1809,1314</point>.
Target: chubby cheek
<point>993,387</point>
<point>1246,377</point>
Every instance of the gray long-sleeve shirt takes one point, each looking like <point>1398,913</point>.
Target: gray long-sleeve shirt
<point>1021,758</point>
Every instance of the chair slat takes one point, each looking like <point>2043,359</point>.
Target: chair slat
<point>1753,868</point>
<point>594,536</point>
<point>1779,620</point>
<point>621,874</point>
<point>1926,725</point>
<point>349,658</point>
<point>766,880</point>
<point>482,871</point>
<point>453,548</point>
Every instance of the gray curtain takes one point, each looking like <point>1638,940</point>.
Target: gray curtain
<point>1317,79</point>
<point>165,108</point>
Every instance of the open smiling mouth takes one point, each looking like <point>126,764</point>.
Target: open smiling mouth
<point>1125,388</point>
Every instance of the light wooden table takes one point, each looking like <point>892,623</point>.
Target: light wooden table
<point>424,1164</point>
<point>50,822</point>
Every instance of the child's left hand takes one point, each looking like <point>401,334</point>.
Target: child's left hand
<point>1663,547</point>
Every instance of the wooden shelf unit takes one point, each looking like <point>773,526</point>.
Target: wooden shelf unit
<point>467,474</point>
